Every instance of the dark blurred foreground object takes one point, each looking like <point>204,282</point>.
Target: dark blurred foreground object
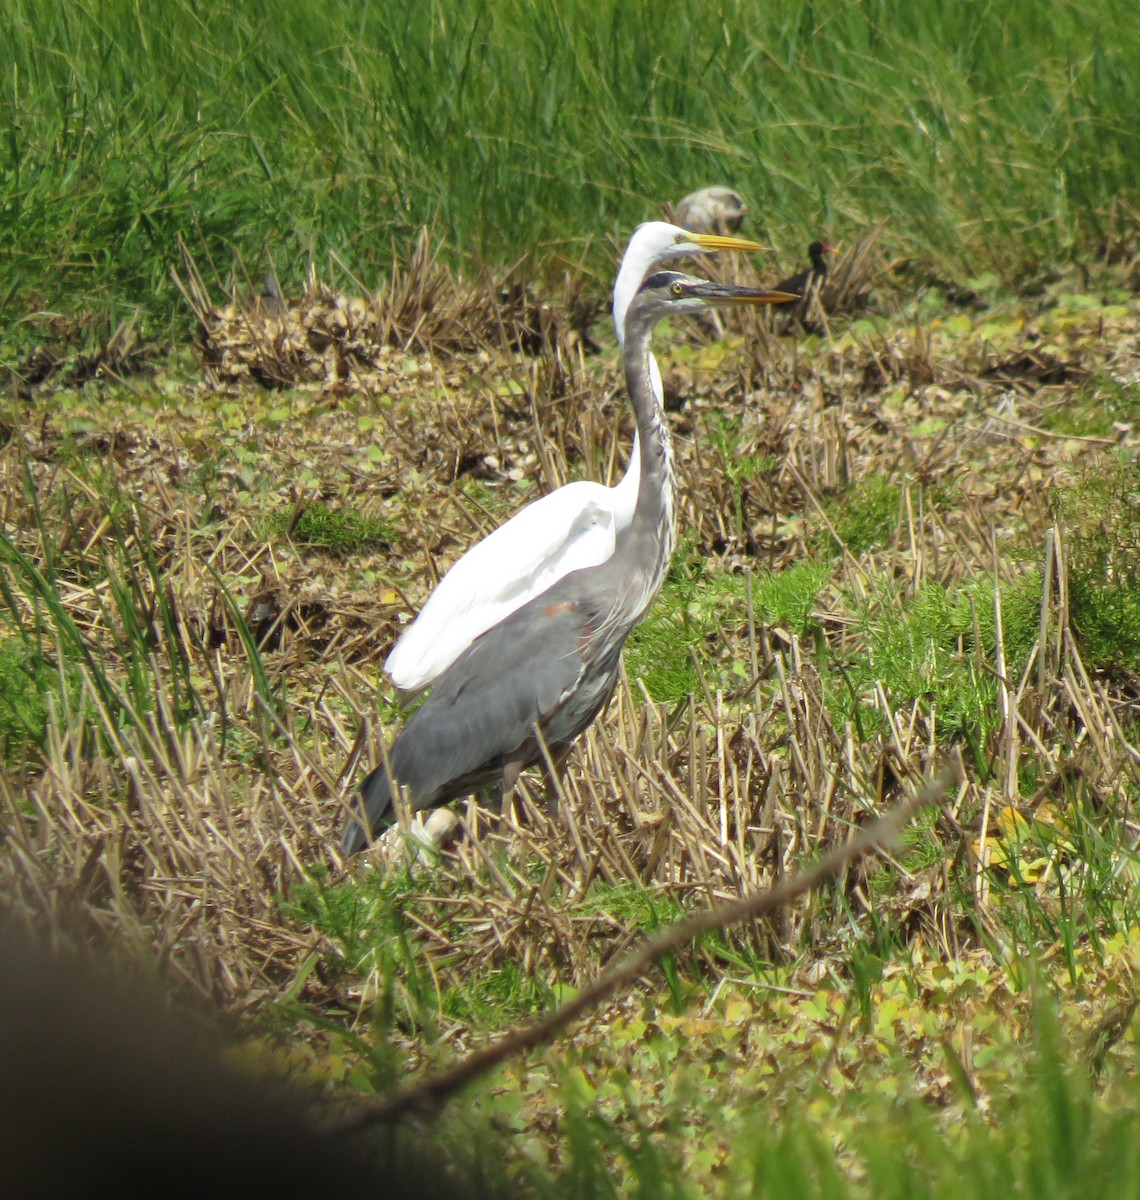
<point>711,210</point>
<point>104,1093</point>
<point>807,282</point>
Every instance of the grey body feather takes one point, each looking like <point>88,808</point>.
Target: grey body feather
<point>525,672</point>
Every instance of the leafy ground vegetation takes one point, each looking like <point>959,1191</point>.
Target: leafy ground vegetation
<point>910,531</point>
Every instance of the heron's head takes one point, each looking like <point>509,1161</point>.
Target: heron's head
<point>657,242</point>
<point>668,293</point>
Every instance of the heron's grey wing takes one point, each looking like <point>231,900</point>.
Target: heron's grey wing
<point>542,666</point>
<point>483,709</point>
<point>528,670</point>
<point>376,802</point>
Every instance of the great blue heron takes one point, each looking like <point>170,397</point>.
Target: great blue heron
<point>573,527</point>
<point>805,282</point>
<point>711,210</point>
<point>539,677</point>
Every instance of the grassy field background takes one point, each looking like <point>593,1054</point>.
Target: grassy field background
<point>909,531</point>
<point>996,136</point>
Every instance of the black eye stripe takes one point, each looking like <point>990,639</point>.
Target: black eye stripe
<point>660,279</point>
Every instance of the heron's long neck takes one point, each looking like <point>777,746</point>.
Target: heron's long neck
<point>653,530</point>
<point>630,483</point>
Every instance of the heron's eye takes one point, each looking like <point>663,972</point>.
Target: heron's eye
<point>678,289</point>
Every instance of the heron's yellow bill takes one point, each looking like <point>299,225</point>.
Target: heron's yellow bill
<point>719,241</point>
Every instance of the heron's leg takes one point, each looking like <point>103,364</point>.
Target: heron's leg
<point>511,773</point>
<point>554,777</point>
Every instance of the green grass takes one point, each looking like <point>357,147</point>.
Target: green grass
<point>864,517</point>
<point>340,529</point>
<point>636,1090</point>
<point>681,638</point>
<point>934,648</point>
<point>739,466</point>
<point>371,922</point>
<point>661,649</point>
<point>787,597</point>
<point>27,680</point>
<point>1095,409</point>
<point>133,657</point>
<point>637,906</point>
<point>1101,511</point>
<point>991,137</point>
<point>1056,1141</point>
<point>994,139</point>
<point>633,1095</point>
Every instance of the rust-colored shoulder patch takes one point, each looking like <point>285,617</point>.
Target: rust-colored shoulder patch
<point>552,610</point>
